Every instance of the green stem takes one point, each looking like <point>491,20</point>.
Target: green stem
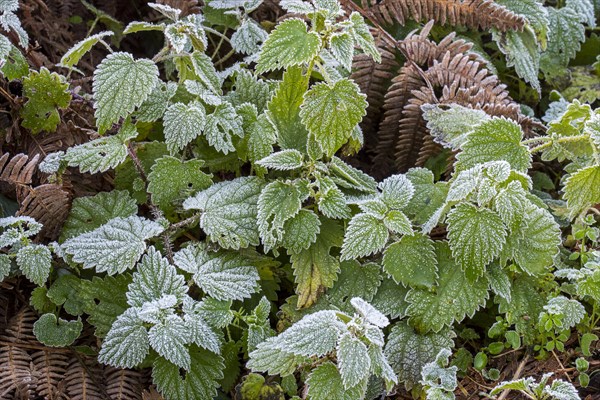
<point>216,32</point>
<point>218,47</point>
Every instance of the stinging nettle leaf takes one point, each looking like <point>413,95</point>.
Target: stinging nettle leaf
<point>397,191</point>
<point>75,53</point>
<point>121,83</point>
<point>221,124</point>
<point>278,202</point>
<point>341,45</point>
<point>582,190</point>
<point>35,262</point>
<point>115,246</point>
<point>283,160</point>
<point>365,235</point>
<point>331,111</point>
<point>183,123</point>
<point>411,261</point>
<point>229,211</point>
<point>248,37</point>
<point>287,45</point>
<point>450,125</point>
<point>126,344</point>
<point>325,382</point>
<point>301,231</point>
<point>169,339</point>
<point>353,359</point>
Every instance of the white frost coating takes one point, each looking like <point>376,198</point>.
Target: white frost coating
<point>114,247</point>
<point>370,313</point>
<point>126,344</point>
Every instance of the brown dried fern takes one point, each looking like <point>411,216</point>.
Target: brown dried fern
<point>83,380</point>
<point>16,174</point>
<point>50,367</point>
<point>48,204</point>
<point>123,384</point>
<point>475,14</point>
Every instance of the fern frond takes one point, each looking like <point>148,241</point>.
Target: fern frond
<point>16,173</point>
<point>48,204</point>
<point>123,384</point>
<point>50,367</point>
<point>15,372</point>
<point>474,14</point>
<point>83,380</point>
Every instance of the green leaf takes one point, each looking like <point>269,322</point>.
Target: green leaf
<point>315,269</point>
<point>249,89</point>
<point>411,261</point>
<point>126,344</point>
<point>331,200</point>
<point>67,291</point>
<point>390,299</point>
<point>522,53</point>
<point>45,92</point>
<point>397,222</point>
<point>331,111</point>
<point>248,37</point>
<point>355,280</point>
<point>75,53</point>
<point>476,236</point>
<point>268,357</point>
<point>519,384</point>
<point>362,36</point>
<point>284,110</point>
<point>259,137</point>
<point>183,123</point>
<point>325,382</point>
<point>154,279</point>
<point>228,212</point>
<point>566,33</point>
<point>526,303</point>
<point>202,333</point>
<point>205,70</point>
<point>254,386</point>
<point>499,281</point>
<point>409,351</point>
<point>231,372</point>
<point>35,261</point>
<point>287,45</point>
<point>534,245</point>
<point>284,160</point>
<point>200,382</point>
<point>121,84</point>
<point>115,246</point>
<point>364,236</point>
<point>109,300</point>
<point>169,339</point>
<point>278,202</point>
<point>221,124</point>
<point>582,190</point>
<point>140,26</point>
<point>156,104</point>
<point>172,178</point>
<point>562,390</point>
<point>353,360</point>
<point>301,231</point>
<point>449,301</point>
<point>450,125</point>
<point>349,177</point>
<point>397,190</point>
<point>15,65</point>
<point>572,311</point>
<point>89,213</point>
<point>222,275</point>
<point>5,266</point>
<point>55,332</point>
<point>101,154</point>
<point>341,45</point>
<point>585,9</point>
<point>495,140</point>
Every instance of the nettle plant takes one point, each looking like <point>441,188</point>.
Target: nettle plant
<point>228,186</point>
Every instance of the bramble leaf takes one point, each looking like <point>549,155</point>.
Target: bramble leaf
<point>121,83</point>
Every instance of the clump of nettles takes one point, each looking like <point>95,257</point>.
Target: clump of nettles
<point>360,253</point>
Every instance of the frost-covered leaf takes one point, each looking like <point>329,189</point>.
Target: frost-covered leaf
<point>169,339</point>
<point>341,45</point>
<point>355,280</point>
<point>216,313</point>
<point>201,333</point>
<point>250,89</point>
<point>535,243</point>
<point>331,111</point>
<point>301,231</point>
<point>397,191</point>
<point>315,269</point>
<point>519,384</point>
<point>411,261</point>
<point>157,102</point>
<point>287,45</point>
<point>166,10</point>
<point>267,357</point>
<point>171,178</point>
<point>183,123</point>
<point>121,83</point>
<point>397,222</point>
<point>332,202</point>
<point>499,281</point>
<point>35,261</point>
<point>564,39</point>
<point>205,70</point>
<point>451,125</point>
<point>9,5</point>
<point>476,237</point>
<point>115,246</point>
<point>75,53</point>
<point>561,390</point>
<point>362,36</point>
<point>284,110</point>
<point>325,383</point>
<point>349,177</point>
<point>449,302</point>
<point>248,37</point>
<point>10,22</point>
<point>200,381</point>
<point>369,313</point>
<point>126,344</point>
<point>284,160</point>
<point>582,190</point>
<point>571,310</point>
<point>408,351</point>
<point>17,228</point>
<point>297,6</point>
<point>102,154</point>
<point>278,202</point>
<point>220,127</point>
<point>437,374</point>
<point>89,213</point>
<point>229,212</point>
<point>141,26</point>
<point>5,266</point>
<point>353,359</point>
<point>585,9</point>
<point>464,183</point>
<point>46,92</point>
<point>495,140</point>
<point>522,52</point>
<point>5,47</point>
<point>365,235</point>
<point>389,299</point>
<point>374,206</point>
<point>154,279</point>
<point>223,275</point>
<point>510,203</point>
<point>55,332</point>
